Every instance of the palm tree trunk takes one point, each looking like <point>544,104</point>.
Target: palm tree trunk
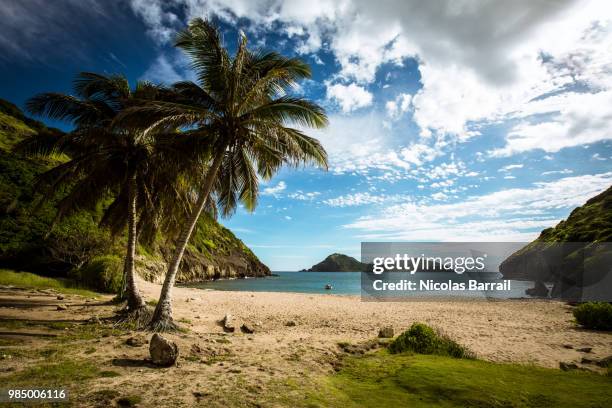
<point>134,299</point>
<point>162,316</point>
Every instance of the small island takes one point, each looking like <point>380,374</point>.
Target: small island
<point>338,263</point>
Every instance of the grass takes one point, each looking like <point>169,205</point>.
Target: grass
<point>30,280</point>
<point>423,339</point>
<point>55,374</point>
<point>385,380</point>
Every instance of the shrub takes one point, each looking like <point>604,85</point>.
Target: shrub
<point>422,339</point>
<point>104,273</point>
<point>594,315</point>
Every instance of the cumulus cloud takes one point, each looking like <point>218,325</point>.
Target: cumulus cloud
<point>479,62</point>
<point>349,97</point>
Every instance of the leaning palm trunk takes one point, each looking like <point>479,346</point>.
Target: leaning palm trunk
<point>162,316</point>
<point>136,310</point>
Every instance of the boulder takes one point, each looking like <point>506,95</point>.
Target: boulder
<point>60,297</point>
<point>386,332</point>
<point>228,324</point>
<point>163,351</point>
<point>290,323</point>
<point>62,307</point>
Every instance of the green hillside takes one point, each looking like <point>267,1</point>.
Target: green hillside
<point>76,246</point>
<point>576,251</point>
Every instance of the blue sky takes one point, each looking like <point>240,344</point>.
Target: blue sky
<point>449,121</point>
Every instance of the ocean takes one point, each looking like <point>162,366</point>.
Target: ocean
<point>347,283</point>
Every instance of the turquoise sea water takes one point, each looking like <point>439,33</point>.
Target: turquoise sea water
<point>343,283</point>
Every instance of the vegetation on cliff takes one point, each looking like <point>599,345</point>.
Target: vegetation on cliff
<point>338,263</point>
<point>76,246</point>
<point>574,254</point>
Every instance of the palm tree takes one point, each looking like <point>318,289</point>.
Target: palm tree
<point>139,171</point>
<point>241,106</point>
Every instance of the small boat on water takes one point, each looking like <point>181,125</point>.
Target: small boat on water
<point>328,287</point>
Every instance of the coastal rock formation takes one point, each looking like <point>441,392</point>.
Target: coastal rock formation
<point>539,290</point>
<point>338,263</point>
<point>76,245</point>
<point>574,254</point>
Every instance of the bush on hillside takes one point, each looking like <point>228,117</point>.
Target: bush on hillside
<point>594,315</point>
<point>103,273</point>
<point>422,339</point>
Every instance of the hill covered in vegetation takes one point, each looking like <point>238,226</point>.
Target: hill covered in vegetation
<point>575,253</point>
<point>338,263</point>
<point>76,246</point>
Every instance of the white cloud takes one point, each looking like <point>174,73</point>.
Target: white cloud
<point>162,71</point>
<point>511,167</point>
<point>516,214</point>
<point>302,196</point>
<point>398,106</point>
<point>564,171</point>
<point>349,97</point>
<point>479,62</point>
<point>577,119</point>
<point>275,190</point>
<point>439,196</point>
<point>352,200</point>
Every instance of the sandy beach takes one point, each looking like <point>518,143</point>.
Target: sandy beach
<point>214,364</point>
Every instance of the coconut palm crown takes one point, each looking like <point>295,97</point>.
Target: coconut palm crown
<point>242,106</point>
<point>138,172</point>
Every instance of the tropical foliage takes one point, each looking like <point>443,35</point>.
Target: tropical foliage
<point>239,115</point>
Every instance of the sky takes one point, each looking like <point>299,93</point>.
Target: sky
<point>452,120</point>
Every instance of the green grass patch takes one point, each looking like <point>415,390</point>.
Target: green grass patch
<point>55,374</point>
<point>415,380</point>
<point>151,302</point>
<point>594,315</point>
<point>31,280</point>
<point>422,339</point>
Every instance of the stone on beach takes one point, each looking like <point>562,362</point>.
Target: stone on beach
<point>163,352</point>
<point>228,324</point>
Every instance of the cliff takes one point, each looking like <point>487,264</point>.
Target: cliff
<point>27,241</point>
<point>338,263</point>
<point>572,254</point>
